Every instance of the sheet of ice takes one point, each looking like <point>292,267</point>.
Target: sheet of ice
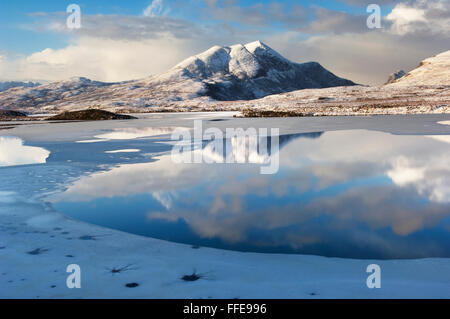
<point>91,141</point>
<point>14,152</point>
<point>441,138</point>
<point>132,133</point>
<point>7,197</point>
<point>123,151</point>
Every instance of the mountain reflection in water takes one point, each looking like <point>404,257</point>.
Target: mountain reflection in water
<point>356,194</point>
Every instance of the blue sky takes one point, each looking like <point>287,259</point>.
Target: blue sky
<point>116,35</point>
<point>17,20</point>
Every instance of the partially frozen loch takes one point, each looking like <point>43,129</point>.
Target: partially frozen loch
<point>350,192</point>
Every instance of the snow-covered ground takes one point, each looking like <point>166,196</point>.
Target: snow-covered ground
<point>432,71</point>
<point>37,242</point>
<point>357,100</point>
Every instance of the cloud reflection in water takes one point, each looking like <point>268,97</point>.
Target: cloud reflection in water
<point>355,194</point>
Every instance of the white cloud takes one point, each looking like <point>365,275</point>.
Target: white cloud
<point>165,199</point>
<point>403,17</point>
<point>430,177</point>
<point>366,58</point>
<point>403,174</point>
<point>100,59</point>
<point>155,9</point>
<point>422,16</point>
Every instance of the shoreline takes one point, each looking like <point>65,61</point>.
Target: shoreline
<point>245,113</point>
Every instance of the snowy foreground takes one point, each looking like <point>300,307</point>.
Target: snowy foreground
<point>37,243</point>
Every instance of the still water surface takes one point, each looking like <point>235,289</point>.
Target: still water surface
<point>355,194</point>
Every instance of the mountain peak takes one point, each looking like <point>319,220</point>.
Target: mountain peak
<point>252,46</point>
<point>250,71</point>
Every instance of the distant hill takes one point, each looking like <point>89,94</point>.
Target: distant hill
<point>432,71</point>
<point>90,115</point>
<point>13,84</point>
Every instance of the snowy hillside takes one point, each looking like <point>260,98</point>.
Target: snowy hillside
<point>28,98</point>
<point>432,71</point>
<point>358,100</point>
<point>12,84</point>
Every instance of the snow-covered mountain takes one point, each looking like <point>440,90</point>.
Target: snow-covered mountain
<point>431,71</point>
<point>254,70</point>
<point>239,72</point>
<point>12,84</point>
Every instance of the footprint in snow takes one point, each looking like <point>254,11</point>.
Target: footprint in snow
<point>37,251</point>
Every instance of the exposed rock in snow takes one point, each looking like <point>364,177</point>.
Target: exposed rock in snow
<point>395,76</point>
<point>431,71</point>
